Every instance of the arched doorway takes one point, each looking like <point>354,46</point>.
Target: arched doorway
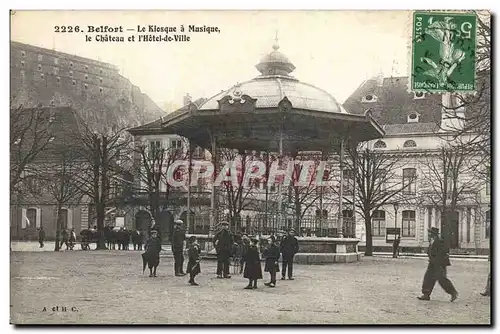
<point>142,220</point>
<point>183,217</point>
<point>165,223</point>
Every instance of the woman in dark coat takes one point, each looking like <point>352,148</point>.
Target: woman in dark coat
<point>152,255</point>
<point>193,266</point>
<point>253,270</point>
<point>272,255</point>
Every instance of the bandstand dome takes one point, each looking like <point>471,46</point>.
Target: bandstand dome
<point>274,84</point>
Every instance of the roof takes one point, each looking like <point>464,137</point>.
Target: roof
<point>394,102</point>
<point>409,128</point>
<point>270,90</point>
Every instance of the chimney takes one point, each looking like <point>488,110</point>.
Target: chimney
<point>187,99</point>
<point>380,79</point>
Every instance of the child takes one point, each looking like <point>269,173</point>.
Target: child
<point>272,255</point>
<point>193,266</point>
<point>253,270</point>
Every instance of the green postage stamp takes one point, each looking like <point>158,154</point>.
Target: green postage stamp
<point>443,52</point>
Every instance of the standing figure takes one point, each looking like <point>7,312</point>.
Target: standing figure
<point>289,247</point>
<point>41,236</point>
<point>253,270</point>
<point>193,267</point>
<point>439,259</point>
<point>395,247</point>
<point>272,255</point>
<point>140,240</point>
<point>178,237</point>
<point>152,255</point>
<point>64,239</point>
<point>72,239</point>
<point>223,242</point>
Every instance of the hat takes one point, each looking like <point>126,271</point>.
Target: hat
<point>192,238</point>
<point>292,230</point>
<point>224,223</point>
<point>154,230</point>
<point>179,221</point>
<point>434,230</point>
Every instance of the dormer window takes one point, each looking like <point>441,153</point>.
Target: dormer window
<point>413,117</point>
<point>369,98</point>
<point>410,143</point>
<point>419,95</point>
<point>380,144</point>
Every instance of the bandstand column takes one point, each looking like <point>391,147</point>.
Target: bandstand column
<point>280,188</point>
<point>188,215</point>
<point>341,190</point>
<point>213,208</point>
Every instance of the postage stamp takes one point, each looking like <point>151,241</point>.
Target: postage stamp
<point>443,52</point>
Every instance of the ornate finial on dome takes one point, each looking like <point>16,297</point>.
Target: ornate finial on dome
<point>276,46</point>
<point>275,63</point>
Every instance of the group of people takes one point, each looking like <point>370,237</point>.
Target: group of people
<point>243,250</point>
<point>68,238</point>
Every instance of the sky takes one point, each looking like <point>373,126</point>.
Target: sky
<point>333,50</point>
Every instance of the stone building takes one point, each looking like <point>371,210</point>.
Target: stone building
<point>70,87</point>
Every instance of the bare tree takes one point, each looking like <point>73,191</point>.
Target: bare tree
<point>104,157</point>
<point>237,197</point>
<point>30,133</point>
<point>378,183</point>
<point>449,181</point>
<point>152,164</point>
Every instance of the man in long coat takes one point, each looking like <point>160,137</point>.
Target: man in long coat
<point>152,255</point>
<point>223,242</point>
<point>289,247</point>
<point>178,237</point>
<point>439,259</point>
<point>41,236</point>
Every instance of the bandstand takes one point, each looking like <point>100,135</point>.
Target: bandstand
<point>275,112</point>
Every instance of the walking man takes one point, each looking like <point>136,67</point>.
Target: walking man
<point>395,247</point>
<point>178,237</point>
<point>41,236</point>
<point>439,259</point>
<point>223,242</point>
<point>289,247</point>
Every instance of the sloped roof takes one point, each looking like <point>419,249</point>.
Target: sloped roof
<point>408,128</point>
<point>394,102</point>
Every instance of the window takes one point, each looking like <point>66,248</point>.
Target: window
<point>56,70</point>
<point>378,223</point>
<point>39,67</point>
<point>58,80</point>
<point>369,98</point>
<point>31,218</point>
<point>409,223</point>
<point>176,144</point>
<point>413,117</point>
<point>41,76</point>
<point>71,73</point>
<point>100,89</point>
<point>348,182</point>
<point>86,86</point>
<point>449,183</point>
<point>86,68</point>
<point>100,71</point>
<point>419,95</point>
<point>86,77</point>
<point>56,61</point>
<point>154,147</point>
<point>74,82</point>
<point>410,143</point>
<point>22,63</point>
<point>63,216</point>
<point>487,224</point>
<point>22,74</point>
<point>23,54</point>
<point>469,217</point>
<point>380,144</point>
<point>71,64</point>
<point>409,184</point>
<point>100,80</point>
<point>40,57</point>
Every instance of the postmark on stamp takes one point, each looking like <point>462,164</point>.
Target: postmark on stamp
<point>443,52</point>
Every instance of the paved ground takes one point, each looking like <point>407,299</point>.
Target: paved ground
<point>107,287</point>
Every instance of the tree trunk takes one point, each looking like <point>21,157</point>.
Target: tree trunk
<point>100,212</point>
<point>369,239</point>
<point>58,228</point>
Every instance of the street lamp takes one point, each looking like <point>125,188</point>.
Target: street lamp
<point>396,207</point>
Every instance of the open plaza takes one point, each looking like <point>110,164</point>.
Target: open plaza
<point>108,287</point>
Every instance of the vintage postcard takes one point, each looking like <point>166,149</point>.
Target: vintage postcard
<point>250,167</point>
